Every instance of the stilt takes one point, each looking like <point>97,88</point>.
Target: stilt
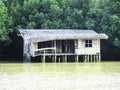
<point>59,59</point>
<point>99,58</point>
<point>55,58</point>
<point>85,58</point>
<point>94,58</point>
<point>65,58</point>
<point>91,58</point>
<point>88,58</point>
<point>55,49</point>
<point>77,58</point>
<point>43,58</point>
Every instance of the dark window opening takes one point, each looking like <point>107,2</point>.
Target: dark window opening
<point>88,43</point>
<point>45,44</point>
<point>65,46</point>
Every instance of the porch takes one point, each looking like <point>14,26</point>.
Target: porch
<point>54,47</point>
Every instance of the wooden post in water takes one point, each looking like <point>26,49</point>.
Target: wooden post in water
<point>65,58</point>
<point>88,58</point>
<point>91,58</point>
<point>94,58</point>
<point>85,58</point>
<point>99,58</point>
<point>77,58</point>
<point>55,58</point>
<point>55,49</point>
<point>44,57</point>
<point>41,58</point>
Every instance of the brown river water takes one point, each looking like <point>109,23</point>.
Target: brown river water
<point>60,76</point>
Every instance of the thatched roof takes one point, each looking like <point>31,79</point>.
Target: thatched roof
<point>39,35</point>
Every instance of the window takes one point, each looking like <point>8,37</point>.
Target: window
<point>88,43</point>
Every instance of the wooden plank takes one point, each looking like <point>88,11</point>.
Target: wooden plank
<point>42,49</point>
<point>57,54</point>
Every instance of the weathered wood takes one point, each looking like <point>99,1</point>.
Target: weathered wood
<point>55,58</point>
<point>99,58</point>
<point>88,50</point>
<point>51,51</point>
<point>65,58</point>
<point>77,58</point>
<point>62,43</point>
<point>26,50</point>
<point>54,48</point>
<point>44,58</point>
<point>59,59</point>
<point>91,58</point>
<point>26,57</point>
<point>85,58</point>
<point>94,58</point>
<point>42,49</point>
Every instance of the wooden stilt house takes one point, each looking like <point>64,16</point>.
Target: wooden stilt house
<point>61,44</point>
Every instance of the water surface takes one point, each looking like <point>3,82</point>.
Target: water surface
<point>60,76</point>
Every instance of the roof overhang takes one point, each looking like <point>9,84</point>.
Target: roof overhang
<point>41,35</point>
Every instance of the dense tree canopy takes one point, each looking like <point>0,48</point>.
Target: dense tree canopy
<point>3,17</point>
<point>100,15</point>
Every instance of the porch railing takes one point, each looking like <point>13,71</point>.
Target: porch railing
<point>45,51</point>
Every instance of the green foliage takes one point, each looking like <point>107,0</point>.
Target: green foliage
<point>3,17</point>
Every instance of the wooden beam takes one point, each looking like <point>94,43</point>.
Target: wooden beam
<point>42,49</point>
